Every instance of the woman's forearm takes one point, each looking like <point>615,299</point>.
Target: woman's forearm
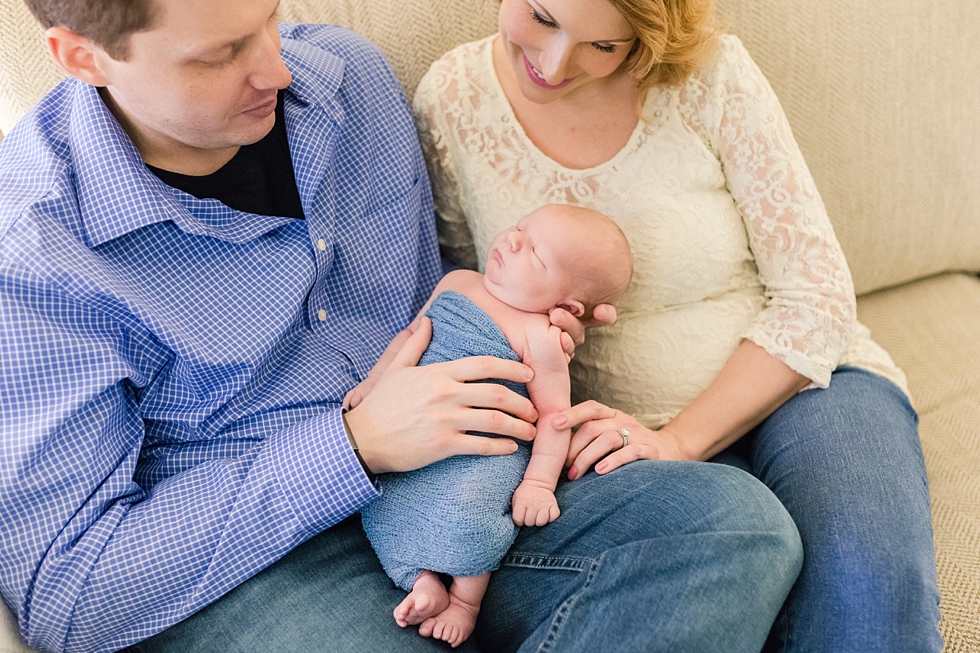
<point>749,388</point>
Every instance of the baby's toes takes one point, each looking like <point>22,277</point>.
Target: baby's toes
<point>426,627</point>
<point>455,636</point>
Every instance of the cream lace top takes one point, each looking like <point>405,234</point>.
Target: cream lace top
<point>730,237</point>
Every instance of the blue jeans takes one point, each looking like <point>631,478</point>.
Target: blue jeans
<point>847,464</point>
<point>655,556</point>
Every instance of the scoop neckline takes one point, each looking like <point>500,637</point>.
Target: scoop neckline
<point>508,110</point>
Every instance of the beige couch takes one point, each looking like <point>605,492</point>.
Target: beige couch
<point>884,98</point>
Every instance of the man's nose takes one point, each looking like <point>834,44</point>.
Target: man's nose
<point>270,70</point>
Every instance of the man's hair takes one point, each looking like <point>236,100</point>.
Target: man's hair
<point>107,23</point>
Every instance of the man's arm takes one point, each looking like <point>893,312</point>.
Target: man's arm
<point>94,562</point>
<point>534,501</point>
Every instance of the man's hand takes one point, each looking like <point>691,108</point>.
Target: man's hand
<point>415,416</point>
<point>356,395</point>
<point>573,329</point>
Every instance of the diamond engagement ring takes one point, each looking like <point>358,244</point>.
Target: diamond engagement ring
<point>626,436</point>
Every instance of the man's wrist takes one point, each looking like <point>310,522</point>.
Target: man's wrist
<point>353,445</point>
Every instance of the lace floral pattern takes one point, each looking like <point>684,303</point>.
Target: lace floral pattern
<point>729,234</point>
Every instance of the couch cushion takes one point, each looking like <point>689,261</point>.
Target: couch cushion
<point>883,98</point>
<point>411,34</point>
<point>26,68</point>
<point>930,329</point>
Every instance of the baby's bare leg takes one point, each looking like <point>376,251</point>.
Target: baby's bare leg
<point>428,597</point>
<point>456,622</point>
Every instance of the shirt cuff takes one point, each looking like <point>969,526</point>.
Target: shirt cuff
<point>320,473</point>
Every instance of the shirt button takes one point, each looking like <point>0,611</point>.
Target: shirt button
<point>321,245</point>
<point>322,314</point>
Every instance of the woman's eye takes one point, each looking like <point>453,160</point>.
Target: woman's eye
<point>601,47</point>
<point>538,18</point>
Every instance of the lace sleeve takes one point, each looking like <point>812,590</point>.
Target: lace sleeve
<point>429,106</point>
<point>810,306</point>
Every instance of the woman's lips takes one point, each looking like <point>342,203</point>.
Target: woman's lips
<point>533,74</point>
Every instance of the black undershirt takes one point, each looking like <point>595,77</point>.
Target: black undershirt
<point>258,179</point>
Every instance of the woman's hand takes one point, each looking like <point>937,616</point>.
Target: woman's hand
<point>573,329</point>
<point>601,440</point>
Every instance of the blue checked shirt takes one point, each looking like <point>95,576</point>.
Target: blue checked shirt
<point>172,368</point>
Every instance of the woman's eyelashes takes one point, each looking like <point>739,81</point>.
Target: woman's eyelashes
<point>538,18</point>
<point>541,20</point>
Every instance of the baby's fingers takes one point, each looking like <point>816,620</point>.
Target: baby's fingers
<point>519,512</point>
<point>544,515</point>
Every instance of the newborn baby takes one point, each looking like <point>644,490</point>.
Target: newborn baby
<point>458,516</point>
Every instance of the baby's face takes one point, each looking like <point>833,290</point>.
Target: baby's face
<point>530,265</point>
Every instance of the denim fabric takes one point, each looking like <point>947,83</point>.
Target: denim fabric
<point>847,464</point>
<point>656,556</point>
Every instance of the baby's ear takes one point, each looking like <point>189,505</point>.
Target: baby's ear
<point>574,307</point>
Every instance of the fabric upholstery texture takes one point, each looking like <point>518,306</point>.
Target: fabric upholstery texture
<point>930,329</point>
<point>883,98</point>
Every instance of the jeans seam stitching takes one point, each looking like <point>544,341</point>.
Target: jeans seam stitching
<point>556,563</point>
<point>560,618</point>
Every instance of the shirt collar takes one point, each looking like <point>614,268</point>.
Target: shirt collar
<point>130,197</point>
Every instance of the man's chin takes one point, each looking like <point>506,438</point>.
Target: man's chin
<point>258,130</point>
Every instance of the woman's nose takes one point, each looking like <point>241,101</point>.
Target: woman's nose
<point>554,61</point>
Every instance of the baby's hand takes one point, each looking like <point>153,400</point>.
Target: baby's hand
<point>534,506</point>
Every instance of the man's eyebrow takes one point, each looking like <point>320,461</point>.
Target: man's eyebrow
<point>236,45</point>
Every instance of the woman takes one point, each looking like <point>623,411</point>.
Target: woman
<point>741,297</point>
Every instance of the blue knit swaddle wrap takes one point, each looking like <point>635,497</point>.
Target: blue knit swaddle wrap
<point>453,516</point>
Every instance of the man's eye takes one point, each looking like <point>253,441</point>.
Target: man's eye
<point>214,63</point>
<point>538,18</point>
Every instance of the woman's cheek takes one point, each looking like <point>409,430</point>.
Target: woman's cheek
<point>518,29</point>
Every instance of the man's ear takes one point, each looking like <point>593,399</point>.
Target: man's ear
<point>76,55</point>
<point>574,307</point>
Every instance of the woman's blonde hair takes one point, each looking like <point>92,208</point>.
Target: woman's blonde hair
<point>675,38</point>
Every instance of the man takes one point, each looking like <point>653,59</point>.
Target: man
<point>207,236</point>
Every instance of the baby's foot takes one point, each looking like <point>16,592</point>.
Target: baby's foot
<point>453,625</point>
<point>427,598</point>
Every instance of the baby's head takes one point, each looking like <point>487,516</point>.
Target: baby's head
<point>559,255</point>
